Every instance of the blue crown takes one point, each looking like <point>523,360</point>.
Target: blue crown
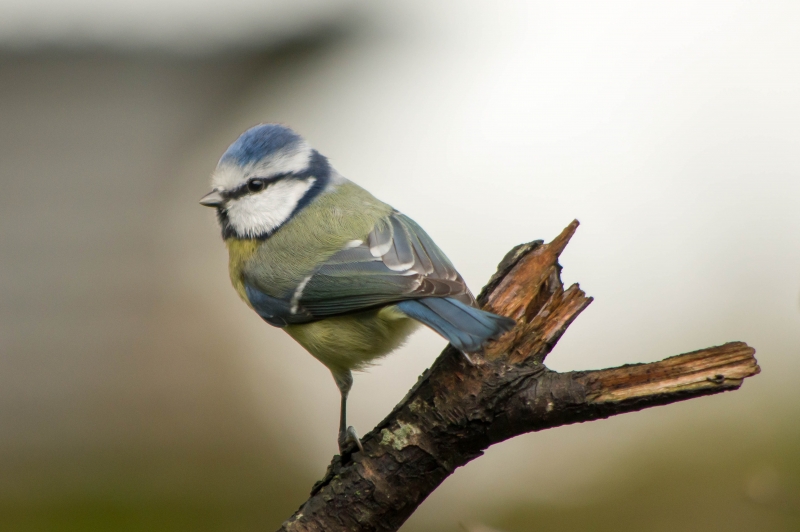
<point>259,142</point>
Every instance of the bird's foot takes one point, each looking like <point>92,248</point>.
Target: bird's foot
<point>347,438</point>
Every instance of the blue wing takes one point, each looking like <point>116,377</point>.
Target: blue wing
<point>397,261</point>
<point>397,264</point>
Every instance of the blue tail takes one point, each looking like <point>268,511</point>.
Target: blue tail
<point>467,328</point>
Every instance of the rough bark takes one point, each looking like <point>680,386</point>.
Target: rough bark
<point>457,410</point>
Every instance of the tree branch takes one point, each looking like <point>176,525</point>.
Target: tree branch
<point>457,410</point>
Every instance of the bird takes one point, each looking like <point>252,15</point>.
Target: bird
<point>344,274</point>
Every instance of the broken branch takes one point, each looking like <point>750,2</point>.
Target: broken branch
<point>457,410</point>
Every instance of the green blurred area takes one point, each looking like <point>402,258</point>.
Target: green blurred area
<point>708,480</point>
<point>225,490</point>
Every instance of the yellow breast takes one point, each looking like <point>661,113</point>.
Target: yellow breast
<point>239,252</point>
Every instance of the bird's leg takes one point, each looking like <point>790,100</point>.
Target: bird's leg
<point>347,435</point>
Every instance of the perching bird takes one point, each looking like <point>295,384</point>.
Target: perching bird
<point>344,274</point>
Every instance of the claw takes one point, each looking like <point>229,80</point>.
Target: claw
<point>352,437</point>
<point>469,360</point>
<point>347,438</point>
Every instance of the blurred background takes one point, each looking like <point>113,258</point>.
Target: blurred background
<point>138,393</point>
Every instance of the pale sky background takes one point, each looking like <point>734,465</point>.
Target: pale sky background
<point>670,130</point>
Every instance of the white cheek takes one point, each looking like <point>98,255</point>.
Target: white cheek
<point>260,213</point>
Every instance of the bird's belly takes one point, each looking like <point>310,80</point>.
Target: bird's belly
<point>353,341</point>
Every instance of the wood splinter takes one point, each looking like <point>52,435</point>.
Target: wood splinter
<point>457,410</point>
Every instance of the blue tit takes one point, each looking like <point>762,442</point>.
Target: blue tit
<point>344,274</point>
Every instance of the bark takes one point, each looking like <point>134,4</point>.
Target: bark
<point>457,409</point>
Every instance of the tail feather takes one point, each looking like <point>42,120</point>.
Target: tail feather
<point>466,328</point>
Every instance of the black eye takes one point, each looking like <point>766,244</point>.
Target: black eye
<point>255,185</point>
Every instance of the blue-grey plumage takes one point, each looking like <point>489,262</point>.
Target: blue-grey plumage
<point>343,273</point>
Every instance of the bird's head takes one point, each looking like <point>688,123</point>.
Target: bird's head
<point>263,179</point>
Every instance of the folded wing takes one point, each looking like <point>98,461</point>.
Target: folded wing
<point>397,261</point>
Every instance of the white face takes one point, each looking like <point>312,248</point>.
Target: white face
<point>262,212</point>
<point>257,213</point>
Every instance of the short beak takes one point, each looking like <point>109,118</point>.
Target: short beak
<point>212,199</point>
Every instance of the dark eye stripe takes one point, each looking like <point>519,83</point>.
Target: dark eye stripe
<point>244,189</point>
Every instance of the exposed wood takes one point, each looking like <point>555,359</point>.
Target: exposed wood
<point>457,410</point>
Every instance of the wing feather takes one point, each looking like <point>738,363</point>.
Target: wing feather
<point>397,261</point>
<point>400,257</point>
<point>380,239</point>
